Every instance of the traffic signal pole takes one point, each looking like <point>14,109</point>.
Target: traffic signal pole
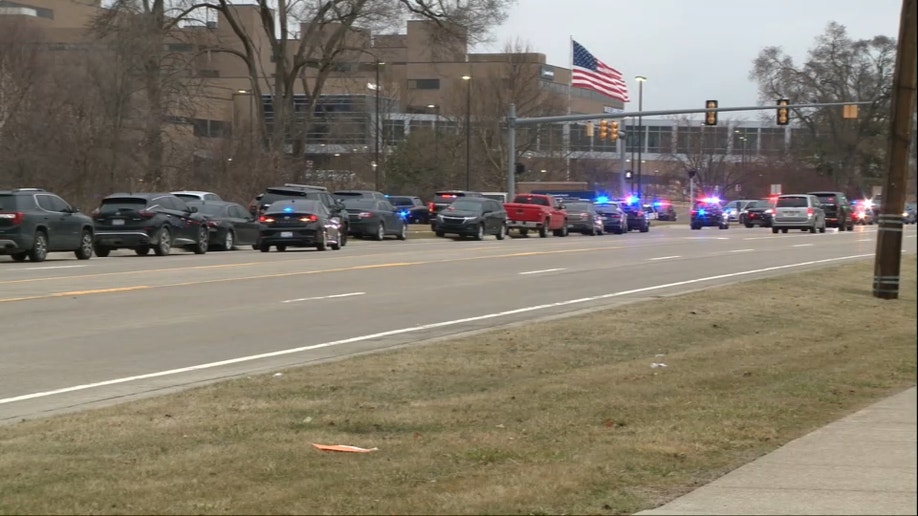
<point>889,233</point>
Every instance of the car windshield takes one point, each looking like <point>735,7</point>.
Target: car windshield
<point>466,205</point>
<point>608,208</point>
<point>358,203</point>
<point>299,206</point>
<point>792,202</point>
<point>115,205</point>
<point>827,199</point>
<point>578,206</point>
<point>758,204</point>
<point>208,209</point>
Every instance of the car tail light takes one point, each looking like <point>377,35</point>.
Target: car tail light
<point>146,214</point>
<point>584,215</point>
<point>95,213</point>
<point>266,219</point>
<point>14,217</point>
<point>809,212</point>
<point>364,215</point>
<point>430,207</point>
<point>212,223</point>
<point>310,218</point>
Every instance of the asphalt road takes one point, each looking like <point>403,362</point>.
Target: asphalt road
<point>78,334</point>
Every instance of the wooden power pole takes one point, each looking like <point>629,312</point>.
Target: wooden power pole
<point>889,233</point>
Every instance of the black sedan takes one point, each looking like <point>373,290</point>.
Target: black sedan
<point>411,208</point>
<point>375,218</point>
<point>230,224</point>
<point>758,213</point>
<point>583,218</point>
<point>298,223</point>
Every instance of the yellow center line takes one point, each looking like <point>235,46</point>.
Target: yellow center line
<point>285,274</point>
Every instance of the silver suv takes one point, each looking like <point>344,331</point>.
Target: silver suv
<point>798,211</point>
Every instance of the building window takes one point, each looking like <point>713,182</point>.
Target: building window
<point>659,139</point>
<point>211,128</point>
<point>423,84</point>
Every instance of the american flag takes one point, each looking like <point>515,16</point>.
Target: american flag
<point>592,74</point>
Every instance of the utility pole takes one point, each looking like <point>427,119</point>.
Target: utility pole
<point>889,233</point>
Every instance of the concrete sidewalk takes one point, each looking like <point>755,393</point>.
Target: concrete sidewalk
<point>862,464</point>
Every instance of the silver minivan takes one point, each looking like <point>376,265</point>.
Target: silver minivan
<point>798,211</point>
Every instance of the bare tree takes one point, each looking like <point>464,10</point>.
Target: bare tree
<point>329,29</point>
<point>837,69</point>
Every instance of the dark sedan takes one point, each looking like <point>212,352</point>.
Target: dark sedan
<point>758,213</point>
<point>230,224</point>
<point>298,223</point>
<point>583,218</point>
<point>614,218</point>
<point>411,208</point>
<point>375,218</point>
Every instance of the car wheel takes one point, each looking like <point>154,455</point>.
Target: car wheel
<point>440,234</point>
<point>694,226</point>
<point>479,235</point>
<point>203,240</point>
<point>784,230</point>
<point>281,248</point>
<point>39,250</point>
<point>502,232</point>
<point>403,234</point>
<point>748,225</point>
<point>813,229</point>
<point>342,235</point>
<point>101,252</point>
<point>321,245</point>
<point>264,248</point>
<point>85,250</point>
<point>380,232</point>
<point>337,245</point>
<point>19,257</point>
<point>822,229</point>
<point>774,231</point>
<point>142,250</point>
<point>163,242</point>
<point>229,241</point>
<point>543,231</point>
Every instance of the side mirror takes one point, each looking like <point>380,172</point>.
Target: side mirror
<point>192,209</point>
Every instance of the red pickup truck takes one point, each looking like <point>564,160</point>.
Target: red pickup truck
<point>536,212</point>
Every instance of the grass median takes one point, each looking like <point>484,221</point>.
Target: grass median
<point>605,413</point>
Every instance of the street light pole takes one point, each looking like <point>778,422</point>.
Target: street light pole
<point>468,131</point>
<point>640,139</point>
<point>376,163</point>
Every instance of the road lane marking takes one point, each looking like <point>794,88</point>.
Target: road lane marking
<point>413,329</point>
<point>76,293</point>
<point>316,298</point>
<point>662,258</point>
<point>741,250</point>
<point>355,267</point>
<point>802,245</point>
<point>541,271</point>
<point>866,240</point>
<point>51,268</point>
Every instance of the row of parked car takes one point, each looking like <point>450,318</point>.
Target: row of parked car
<point>35,222</point>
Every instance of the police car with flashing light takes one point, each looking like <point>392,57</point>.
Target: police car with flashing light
<point>708,212</point>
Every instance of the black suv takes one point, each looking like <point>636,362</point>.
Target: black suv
<point>290,192</point>
<point>444,198</point>
<point>474,217</point>
<point>709,213</point>
<point>145,221</point>
<point>837,208</point>
<point>34,222</point>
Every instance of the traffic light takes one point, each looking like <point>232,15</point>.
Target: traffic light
<point>613,133</point>
<point>603,129</point>
<point>710,117</point>
<point>589,129</point>
<point>783,115</point>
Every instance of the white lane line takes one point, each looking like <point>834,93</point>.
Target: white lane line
<point>741,250</point>
<point>541,271</point>
<point>413,329</point>
<point>52,267</point>
<point>866,240</point>
<point>662,258</point>
<point>316,298</point>
<point>802,245</point>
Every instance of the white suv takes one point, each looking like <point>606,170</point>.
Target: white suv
<point>798,211</point>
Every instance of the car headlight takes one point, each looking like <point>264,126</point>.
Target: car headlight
<point>905,214</point>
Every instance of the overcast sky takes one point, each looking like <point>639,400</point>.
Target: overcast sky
<point>689,50</point>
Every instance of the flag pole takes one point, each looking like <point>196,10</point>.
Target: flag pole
<point>570,87</point>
